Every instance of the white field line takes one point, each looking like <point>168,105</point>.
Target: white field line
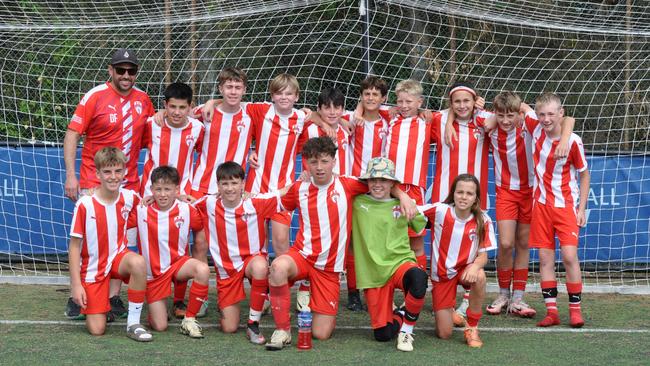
<point>361,327</point>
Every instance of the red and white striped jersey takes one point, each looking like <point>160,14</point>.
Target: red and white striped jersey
<point>512,152</point>
<point>164,235</point>
<point>171,146</point>
<point>470,154</point>
<point>343,156</point>
<point>368,141</point>
<point>454,241</point>
<point>234,234</point>
<point>227,138</point>
<point>325,219</point>
<point>276,139</point>
<point>408,147</point>
<point>110,119</point>
<point>556,181</point>
<point>102,228</point>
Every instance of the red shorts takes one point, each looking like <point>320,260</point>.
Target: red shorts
<point>325,286</point>
<point>230,291</point>
<point>416,193</point>
<point>514,205</point>
<point>380,299</point>
<point>548,221</point>
<point>160,287</point>
<point>98,293</point>
<point>443,293</point>
<point>282,217</point>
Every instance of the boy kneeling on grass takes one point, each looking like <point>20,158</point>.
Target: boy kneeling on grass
<point>97,251</point>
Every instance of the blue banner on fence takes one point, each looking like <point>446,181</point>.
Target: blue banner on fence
<point>35,216</point>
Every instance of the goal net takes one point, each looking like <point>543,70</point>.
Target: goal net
<point>594,54</point>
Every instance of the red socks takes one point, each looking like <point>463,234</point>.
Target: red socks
<point>280,303</point>
<point>422,261</point>
<point>351,273</point>
<point>198,295</point>
<point>575,297</point>
<point>258,293</point>
<point>136,296</point>
<point>180,288</point>
<point>549,291</point>
<point>519,279</point>
<point>504,276</point>
<point>473,318</point>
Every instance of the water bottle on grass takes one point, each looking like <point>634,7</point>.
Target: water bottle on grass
<point>304,330</point>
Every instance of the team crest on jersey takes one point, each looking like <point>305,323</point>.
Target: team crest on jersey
<point>125,212</point>
<point>189,140</point>
<point>472,234</point>
<point>334,196</point>
<point>245,217</point>
<point>297,129</point>
<point>397,212</point>
<point>382,133</point>
<point>478,134</point>
<point>344,145</point>
<point>241,125</point>
<point>179,221</point>
<point>138,106</point>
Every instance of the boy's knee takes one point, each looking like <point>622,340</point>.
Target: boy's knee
<point>322,334</point>
<point>444,333</point>
<point>416,282</point>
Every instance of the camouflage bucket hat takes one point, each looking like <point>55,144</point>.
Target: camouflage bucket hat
<point>380,168</point>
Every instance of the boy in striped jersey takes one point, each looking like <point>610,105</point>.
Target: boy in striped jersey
<point>97,251</point>
<point>236,229</point>
<point>173,141</point>
<point>561,192</point>
<point>164,232</point>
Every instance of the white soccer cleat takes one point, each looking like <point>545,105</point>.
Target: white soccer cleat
<point>279,339</point>
<point>405,342</point>
<point>522,309</point>
<point>190,327</point>
<point>253,333</point>
<point>498,305</point>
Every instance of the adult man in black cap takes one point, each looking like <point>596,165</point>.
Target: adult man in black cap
<point>111,114</point>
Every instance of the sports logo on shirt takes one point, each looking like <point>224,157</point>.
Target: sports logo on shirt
<point>478,134</point>
<point>241,125</point>
<point>138,106</point>
<point>334,196</point>
<point>397,212</point>
<point>125,212</point>
<point>245,217</point>
<point>297,129</point>
<point>179,221</point>
<point>344,145</point>
<point>382,133</point>
<point>189,140</point>
<point>472,234</point>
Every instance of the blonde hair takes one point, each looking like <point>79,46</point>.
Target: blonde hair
<point>109,156</point>
<point>282,82</point>
<point>548,98</point>
<point>232,74</point>
<point>507,102</point>
<point>410,87</point>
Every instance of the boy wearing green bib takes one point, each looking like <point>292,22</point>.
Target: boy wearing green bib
<point>383,256</point>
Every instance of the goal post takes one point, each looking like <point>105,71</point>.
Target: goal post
<point>594,54</point>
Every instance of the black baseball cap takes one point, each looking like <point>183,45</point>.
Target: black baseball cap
<point>124,55</point>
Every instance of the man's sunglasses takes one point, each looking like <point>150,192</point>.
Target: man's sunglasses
<point>122,70</point>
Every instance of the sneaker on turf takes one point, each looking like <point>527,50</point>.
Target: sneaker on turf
<point>549,320</point>
<point>498,305</point>
<point>279,339</point>
<point>354,301</point>
<point>190,327</point>
<point>519,307</point>
<point>73,311</point>
<point>139,333</point>
<point>110,317</point>
<point>302,301</point>
<point>117,307</point>
<point>458,319</point>
<point>472,338</point>
<point>575,318</point>
<point>405,342</point>
<point>253,333</point>
<point>178,309</point>
<point>203,311</point>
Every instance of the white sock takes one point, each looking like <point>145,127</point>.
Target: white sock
<point>254,315</point>
<point>406,328</point>
<point>517,295</point>
<point>135,309</point>
<point>505,292</point>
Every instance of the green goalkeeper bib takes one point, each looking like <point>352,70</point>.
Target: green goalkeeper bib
<point>380,239</point>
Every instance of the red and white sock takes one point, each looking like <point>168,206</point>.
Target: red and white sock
<point>504,277</point>
<point>259,288</point>
<point>136,300</point>
<point>198,295</point>
<point>519,279</point>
